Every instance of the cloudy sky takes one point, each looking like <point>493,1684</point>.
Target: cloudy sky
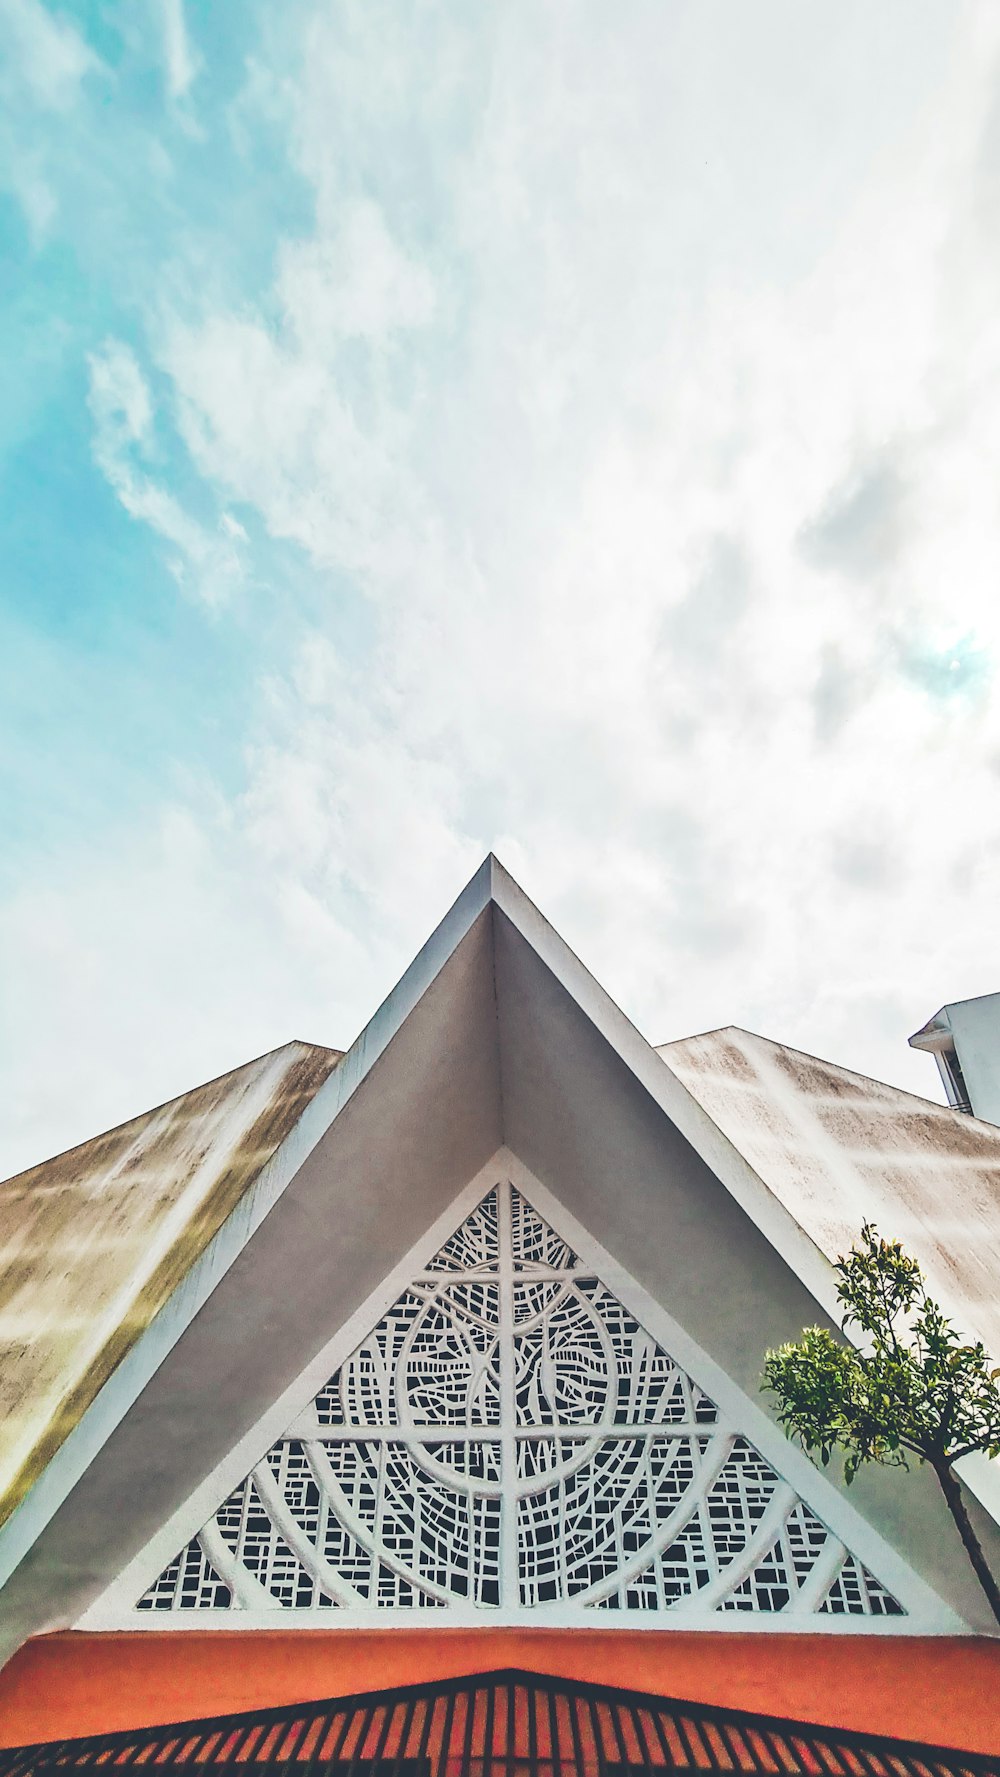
<point>559,428</point>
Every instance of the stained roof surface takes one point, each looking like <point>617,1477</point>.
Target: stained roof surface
<point>837,1148</point>
<point>93,1242</point>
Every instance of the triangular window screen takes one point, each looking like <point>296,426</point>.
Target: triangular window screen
<point>509,1437</point>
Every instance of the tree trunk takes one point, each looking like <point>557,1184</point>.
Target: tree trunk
<point>951,1487</point>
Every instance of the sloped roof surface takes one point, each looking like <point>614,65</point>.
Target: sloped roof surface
<point>836,1149</point>
<point>93,1242</point>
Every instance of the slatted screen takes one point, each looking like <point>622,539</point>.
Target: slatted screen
<point>501,1724</point>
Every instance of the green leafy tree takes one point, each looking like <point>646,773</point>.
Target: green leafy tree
<point>915,1391</point>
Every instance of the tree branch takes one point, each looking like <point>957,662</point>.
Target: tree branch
<point>951,1487</point>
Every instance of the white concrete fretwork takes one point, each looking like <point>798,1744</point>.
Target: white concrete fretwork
<point>510,1439</point>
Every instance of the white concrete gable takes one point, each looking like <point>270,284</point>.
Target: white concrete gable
<point>510,1441</point>
<point>496,1037</point>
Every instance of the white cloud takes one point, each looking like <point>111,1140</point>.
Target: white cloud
<point>27,182</point>
<point>180,61</point>
<point>120,402</point>
<point>207,563</point>
<point>51,57</point>
<point>43,64</point>
<point>302,419</point>
<point>359,284</point>
<point>659,442</point>
<point>600,629</point>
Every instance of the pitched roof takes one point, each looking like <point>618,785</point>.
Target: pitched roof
<point>92,1243</point>
<point>495,1036</point>
<point>837,1149</point>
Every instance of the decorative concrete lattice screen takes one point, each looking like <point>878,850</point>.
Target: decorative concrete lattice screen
<point>510,1437</point>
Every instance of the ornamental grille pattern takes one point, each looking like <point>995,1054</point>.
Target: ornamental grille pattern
<point>509,1437</point>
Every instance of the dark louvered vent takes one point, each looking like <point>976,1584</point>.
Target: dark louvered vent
<point>499,1724</point>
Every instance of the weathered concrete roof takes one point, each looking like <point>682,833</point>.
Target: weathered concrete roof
<point>93,1242</point>
<point>837,1149</point>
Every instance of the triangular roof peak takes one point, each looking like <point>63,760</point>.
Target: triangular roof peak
<point>496,1036</point>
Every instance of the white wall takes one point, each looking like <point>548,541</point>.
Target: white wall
<point>976,1027</point>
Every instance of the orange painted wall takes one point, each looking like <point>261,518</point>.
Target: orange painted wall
<point>944,1690</point>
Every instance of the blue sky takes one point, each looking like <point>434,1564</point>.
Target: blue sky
<point>553,428</point>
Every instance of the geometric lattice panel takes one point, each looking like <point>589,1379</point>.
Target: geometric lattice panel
<point>509,1437</point>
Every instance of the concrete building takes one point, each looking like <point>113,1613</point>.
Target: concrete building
<point>428,1373</point>
<point>964,1040</point>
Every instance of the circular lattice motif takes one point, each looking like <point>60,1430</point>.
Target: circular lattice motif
<point>564,1363</point>
<point>448,1373</point>
<point>509,1435</point>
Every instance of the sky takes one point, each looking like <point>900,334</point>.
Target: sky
<point>553,428</point>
